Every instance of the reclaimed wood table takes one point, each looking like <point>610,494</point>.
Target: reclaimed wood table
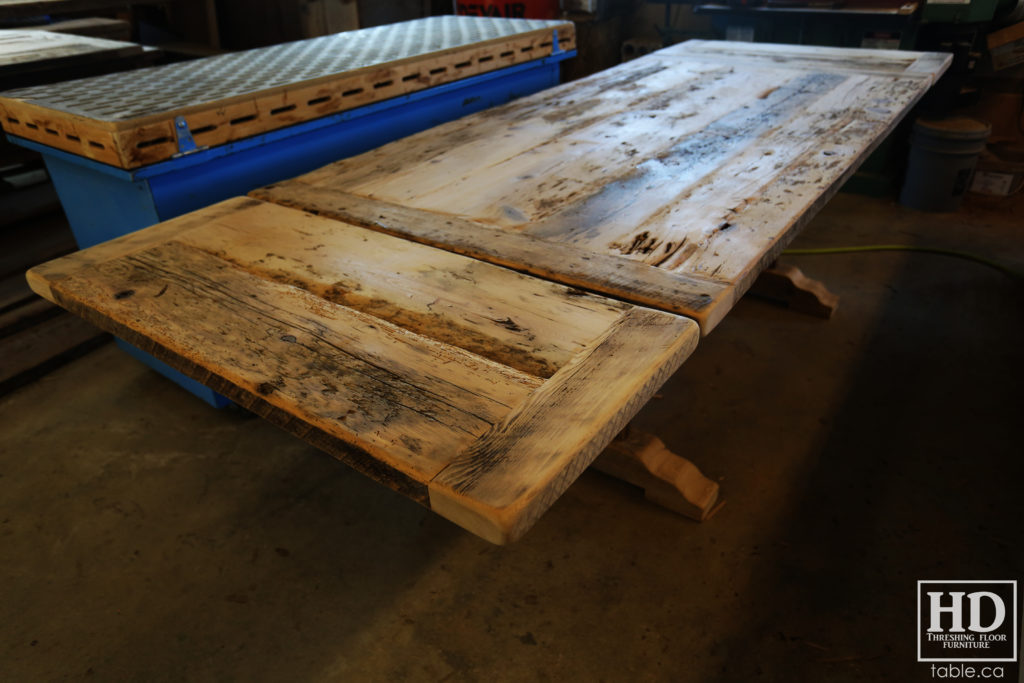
<point>470,315</point>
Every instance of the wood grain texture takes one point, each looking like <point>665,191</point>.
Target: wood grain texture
<point>667,479</point>
<point>127,120</point>
<point>95,27</point>
<point>27,47</point>
<point>406,361</point>
<point>25,52</point>
<point>701,161</point>
<point>637,282</point>
<point>503,482</point>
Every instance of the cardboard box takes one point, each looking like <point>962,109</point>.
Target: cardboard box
<point>1006,46</point>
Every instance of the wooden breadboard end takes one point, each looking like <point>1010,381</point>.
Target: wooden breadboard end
<point>477,391</point>
<point>127,119</point>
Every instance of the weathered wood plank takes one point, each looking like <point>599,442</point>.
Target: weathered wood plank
<point>701,161</point>
<point>396,357</point>
<point>41,278</point>
<point>27,353</point>
<point>502,483</point>
<point>29,50</point>
<point>355,376</point>
<point>94,27</point>
<point>519,321</point>
<point>628,279</point>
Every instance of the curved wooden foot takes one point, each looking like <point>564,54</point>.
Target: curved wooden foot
<point>787,285</point>
<point>667,479</point>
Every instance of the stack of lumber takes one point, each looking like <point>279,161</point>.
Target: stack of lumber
<point>35,335</point>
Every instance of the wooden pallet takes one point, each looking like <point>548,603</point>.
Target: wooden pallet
<point>477,391</point>
<point>670,181</point>
<point>127,119</point>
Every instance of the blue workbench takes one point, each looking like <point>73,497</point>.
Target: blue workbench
<point>103,202</point>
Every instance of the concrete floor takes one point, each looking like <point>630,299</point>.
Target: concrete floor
<point>146,537</point>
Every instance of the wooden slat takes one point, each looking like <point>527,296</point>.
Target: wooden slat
<point>636,282</point>
<point>95,27</point>
<point>34,350</point>
<point>127,120</point>
<point>502,483</point>
<point>700,161</point>
<point>442,295</point>
<point>402,359</point>
<point>23,50</point>
<point>42,277</point>
<point>345,372</point>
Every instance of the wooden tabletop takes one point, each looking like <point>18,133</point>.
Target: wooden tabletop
<point>374,307</point>
<point>670,181</point>
<point>477,391</point>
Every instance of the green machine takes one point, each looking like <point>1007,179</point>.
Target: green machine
<point>961,12</point>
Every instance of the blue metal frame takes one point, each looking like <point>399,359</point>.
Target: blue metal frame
<point>103,202</point>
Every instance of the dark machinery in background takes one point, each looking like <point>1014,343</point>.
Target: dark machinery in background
<point>986,38</point>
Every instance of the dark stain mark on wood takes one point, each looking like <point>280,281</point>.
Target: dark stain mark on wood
<point>508,324</point>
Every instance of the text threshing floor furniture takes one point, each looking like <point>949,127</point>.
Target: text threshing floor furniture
<point>595,227</point>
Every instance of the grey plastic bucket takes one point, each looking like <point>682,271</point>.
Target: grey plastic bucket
<point>943,153</point>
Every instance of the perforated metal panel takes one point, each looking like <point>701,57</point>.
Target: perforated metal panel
<point>130,95</point>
